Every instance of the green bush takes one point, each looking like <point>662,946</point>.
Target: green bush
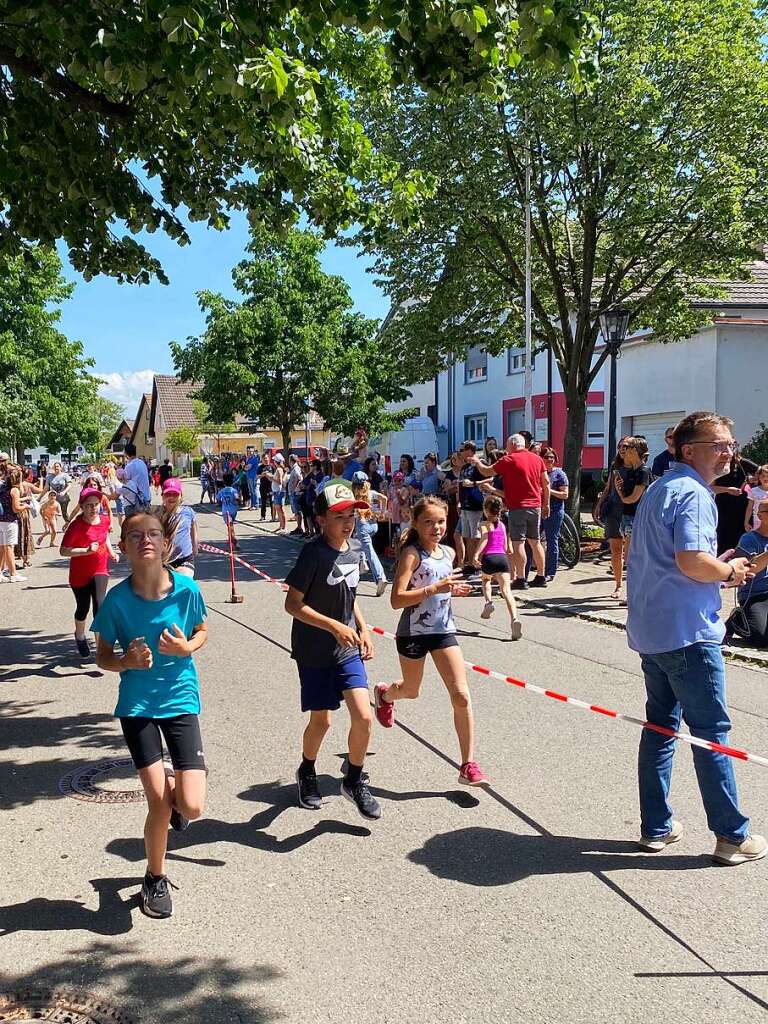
<point>757,448</point>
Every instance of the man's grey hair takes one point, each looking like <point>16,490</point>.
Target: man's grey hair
<point>516,441</point>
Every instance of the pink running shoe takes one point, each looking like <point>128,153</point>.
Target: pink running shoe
<point>385,710</point>
<point>471,775</point>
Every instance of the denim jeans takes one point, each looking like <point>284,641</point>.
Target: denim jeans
<point>253,490</point>
<point>688,682</point>
<point>551,527</point>
<point>365,531</point>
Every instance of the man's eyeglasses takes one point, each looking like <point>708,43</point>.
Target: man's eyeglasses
<point>136,536</point>
<point>721,447</point>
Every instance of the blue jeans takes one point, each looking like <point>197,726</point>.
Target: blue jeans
<point>688,682</point>
<point>551,527</point>
<point>253,490</point>
<point>365,531</point>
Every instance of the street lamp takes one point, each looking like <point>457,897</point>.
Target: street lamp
<point>613,326</point>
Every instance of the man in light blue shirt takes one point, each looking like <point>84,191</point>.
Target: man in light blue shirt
<point>252,476</point>
<point>135,489</point>
<point>673,594</point>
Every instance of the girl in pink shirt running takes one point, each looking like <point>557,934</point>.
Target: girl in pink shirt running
<point>492,559</point>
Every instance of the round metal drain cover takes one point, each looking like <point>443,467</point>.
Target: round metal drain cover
<point>64,1007</point>
<point>82,783</point>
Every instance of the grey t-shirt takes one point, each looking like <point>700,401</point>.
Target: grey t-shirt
<point>59,482</point>
<point>328,580</point>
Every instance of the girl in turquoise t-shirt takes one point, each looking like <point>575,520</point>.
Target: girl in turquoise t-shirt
<point>156,616</point>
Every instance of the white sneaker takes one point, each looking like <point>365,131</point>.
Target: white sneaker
<point>517,629</point>
<point>487,611</point>
<point>753,848</point>
<point>655,843</point>
<point>381,586</point>
<point>18,578</point>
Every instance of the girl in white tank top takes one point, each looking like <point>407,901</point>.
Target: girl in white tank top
<point>425,581</point>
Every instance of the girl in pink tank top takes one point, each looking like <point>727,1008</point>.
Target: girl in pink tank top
<point>492,559</point>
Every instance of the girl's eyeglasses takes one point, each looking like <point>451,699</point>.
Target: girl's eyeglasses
<point>136,536</point>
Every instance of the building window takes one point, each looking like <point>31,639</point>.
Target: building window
<point>595,428</point>
<point>475,365</point>
<point>476,428</point>
<point>516,360</point>
<point>515,421</point>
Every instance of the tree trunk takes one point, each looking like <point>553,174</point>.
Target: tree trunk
<point>285,430</point>
<point>576,404</point>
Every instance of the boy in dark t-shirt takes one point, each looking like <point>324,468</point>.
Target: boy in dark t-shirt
<point>330,642</point>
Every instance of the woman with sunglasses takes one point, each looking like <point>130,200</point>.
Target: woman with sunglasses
<point>558,495</point>
<point>609,511</point>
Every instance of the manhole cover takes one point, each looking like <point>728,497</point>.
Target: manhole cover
<point>64,1007</point>
<point>82,783</point>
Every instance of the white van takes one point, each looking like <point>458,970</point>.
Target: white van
<point>416,437</point>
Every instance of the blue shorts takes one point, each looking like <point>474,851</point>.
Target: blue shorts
<point>295,504</point>
<point>228,513</point>
<point>322,689</point>
<point>278,497</point>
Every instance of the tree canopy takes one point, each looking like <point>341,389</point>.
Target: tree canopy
<point>642,188</point>
<point>48,395</point>
<point>119,114</point>
<point>291,344</point>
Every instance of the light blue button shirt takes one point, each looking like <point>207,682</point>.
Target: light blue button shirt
<point>666,609</point>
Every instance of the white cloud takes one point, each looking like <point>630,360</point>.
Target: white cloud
<point>126,388</point>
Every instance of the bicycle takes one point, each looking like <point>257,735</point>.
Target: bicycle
<point>569,543</point>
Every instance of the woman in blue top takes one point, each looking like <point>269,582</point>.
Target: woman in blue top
<point>751,621</point>
<point>156,616</point>
<point>558,495</point>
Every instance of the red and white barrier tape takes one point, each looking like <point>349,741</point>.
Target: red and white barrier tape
<point>694,741</point>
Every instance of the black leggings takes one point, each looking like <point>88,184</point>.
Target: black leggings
<point>751,624</point>
<point>85,596</point>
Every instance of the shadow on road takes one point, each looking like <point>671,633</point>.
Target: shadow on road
<point>22,727</point>
<point>156,990</point>
<point>487,856</point>
<point>30,652</point>
<point>279,796</point>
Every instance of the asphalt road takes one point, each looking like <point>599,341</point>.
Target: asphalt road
<point>525,902</point>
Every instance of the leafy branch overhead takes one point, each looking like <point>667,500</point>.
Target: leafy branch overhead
<point>116,115</point>
<point>291,343</point>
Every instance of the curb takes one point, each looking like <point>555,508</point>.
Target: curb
<point>729,653</point>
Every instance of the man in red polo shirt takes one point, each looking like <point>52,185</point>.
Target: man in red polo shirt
<point>526,494</point>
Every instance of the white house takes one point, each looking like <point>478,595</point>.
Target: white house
<point>723,367</point>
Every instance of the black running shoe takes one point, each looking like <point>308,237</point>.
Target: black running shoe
<point>309,792</point>
<point>83,648</point>
<point>156,896</point>
<point>178,822</point>
<point>361,797</point>
<point>519,584</point>
<point>538,581</point>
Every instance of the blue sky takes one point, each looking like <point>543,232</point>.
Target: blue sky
<point>126,328</point>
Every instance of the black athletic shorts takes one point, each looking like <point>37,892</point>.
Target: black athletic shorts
<point>181,733</point>
<point>418,647</point>
<point>491,564</point>
<point>185,561</point>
